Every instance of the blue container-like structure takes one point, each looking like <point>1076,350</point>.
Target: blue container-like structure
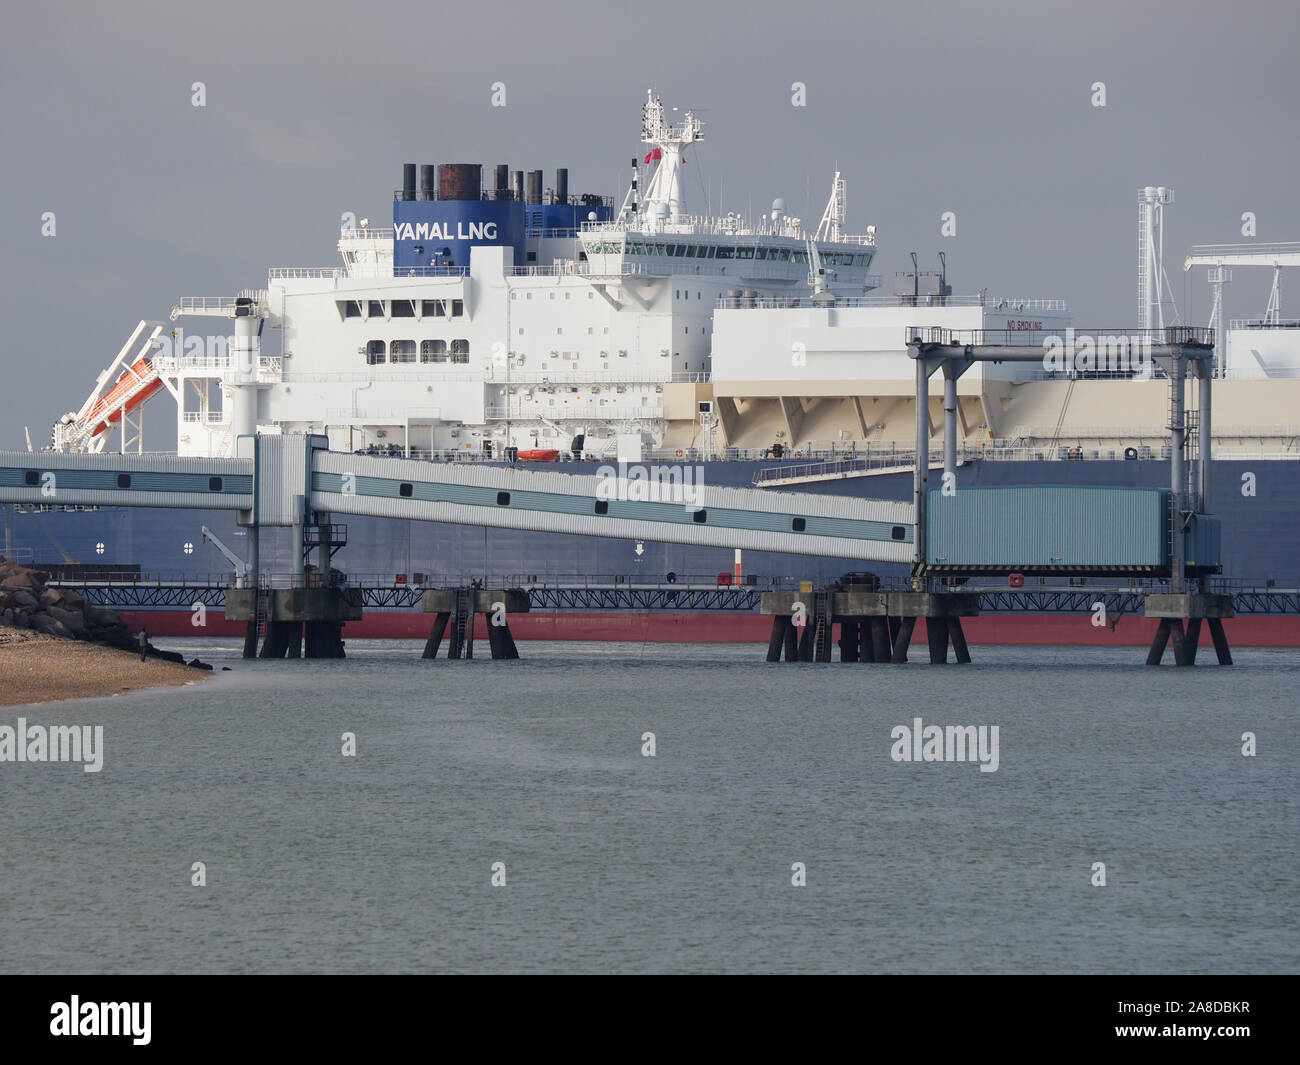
<point>1204,543</point>
<point>1048,529</point>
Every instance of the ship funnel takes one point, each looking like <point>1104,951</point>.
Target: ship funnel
<point>517,185</point>
<point>459,181</point>
<point>503,181</point>
<point>535,187</point>
<point>408,181</point>
<point>428,182</point>
<point>562,185</point>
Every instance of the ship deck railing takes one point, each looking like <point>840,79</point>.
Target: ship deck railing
<point>672,591</point>
<point>1260,323</point>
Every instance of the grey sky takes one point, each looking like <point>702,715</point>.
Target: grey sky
<point>982,109</point>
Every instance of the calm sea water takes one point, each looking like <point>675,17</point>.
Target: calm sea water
<point>681,862</point>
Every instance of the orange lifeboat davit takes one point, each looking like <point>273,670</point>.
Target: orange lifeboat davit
<point>129,392</point>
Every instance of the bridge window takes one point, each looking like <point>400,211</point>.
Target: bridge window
<point>402,351</point>
<point>215,484</point>
<point>460,351</point>
<point>433,351</point>
<point>432,309</point>
<point>602,506</point>
<point>503,499</point>
<point>898,533</point>
<point>726,253</point>
<point>700,517</point>
<point>124,480</point>
<point>457,308</point>
<point>376,309</point>
<point>405,489</point>
<point>352,309</point>
<point>375,353</point>
<point>32,478</point>
<point>799,524</point>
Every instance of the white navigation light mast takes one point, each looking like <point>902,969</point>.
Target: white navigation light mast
<point>1153,283</point>
<point>832,223</point>
<point>664,197</point>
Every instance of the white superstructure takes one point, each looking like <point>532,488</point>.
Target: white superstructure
<point>581,339</point>
<point>482,320</point>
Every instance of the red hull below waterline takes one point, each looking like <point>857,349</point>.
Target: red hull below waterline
<point>1006,629</point>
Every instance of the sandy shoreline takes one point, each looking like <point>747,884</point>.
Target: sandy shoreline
<point>35,668</point>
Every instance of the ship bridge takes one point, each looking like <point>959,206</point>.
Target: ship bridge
<point>277,480</point>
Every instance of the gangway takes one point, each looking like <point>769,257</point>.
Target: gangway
<point>279,480</point>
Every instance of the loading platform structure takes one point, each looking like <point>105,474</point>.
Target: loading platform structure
<point>294,481</point>
<point>1177,352</point>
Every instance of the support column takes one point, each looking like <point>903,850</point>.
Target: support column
<point>777,640</point>
<point>936,633</point>
<point>1205,436</point>
<point>494,641</point>
<point>881,643</point>
<point>299,542</point>
<point>903,639</point>
<point>1179,641</point>
<point>1220,641</point>
<point>1192,611</point>
<point>958,637</point>
<point>848,639</point>
<point>1158,644</point>
<point>866,645</point>
<point>508,647</point>
<point>922,464</point>
<point>434,641</point>
<point>792,641</point>
<point>808,637</point>
<point>254,581</point>
<point>949,425</point>
<point>1191,639</point>
<point>1177,470</point>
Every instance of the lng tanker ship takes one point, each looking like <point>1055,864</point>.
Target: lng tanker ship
<point>499,320</point>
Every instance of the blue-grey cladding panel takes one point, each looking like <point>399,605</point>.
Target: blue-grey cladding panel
<point>1047,525</point>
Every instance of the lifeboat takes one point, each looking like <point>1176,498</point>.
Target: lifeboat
<point>129,392</point>
<point>540,454</point>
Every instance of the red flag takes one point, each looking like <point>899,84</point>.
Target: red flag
<point>655,154</point>
<point>648,157</point>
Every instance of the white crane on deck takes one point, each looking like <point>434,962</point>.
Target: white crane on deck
<point>1219,257</point>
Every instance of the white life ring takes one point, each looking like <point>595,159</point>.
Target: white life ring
<point>679,452</point>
